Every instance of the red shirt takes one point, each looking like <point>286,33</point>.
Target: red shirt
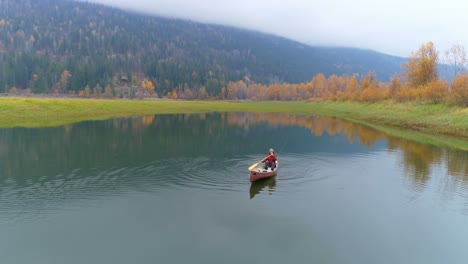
<point>271,158</point>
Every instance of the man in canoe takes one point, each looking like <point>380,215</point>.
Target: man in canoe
<point>270,160</point>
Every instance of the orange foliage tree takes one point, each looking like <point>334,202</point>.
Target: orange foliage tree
<point>435,91</point>
<point>459,92</point>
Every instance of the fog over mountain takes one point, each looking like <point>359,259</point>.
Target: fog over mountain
<point>394,27</point>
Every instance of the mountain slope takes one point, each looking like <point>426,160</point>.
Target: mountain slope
<point>96,44</point>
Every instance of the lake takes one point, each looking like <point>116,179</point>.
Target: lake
<point>175,189</point>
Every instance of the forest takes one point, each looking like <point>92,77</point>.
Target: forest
<point>89,50</point>
<point>63,47</point>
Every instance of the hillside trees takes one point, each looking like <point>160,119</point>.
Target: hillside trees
<point>94,43</point>
<point>55,46</point>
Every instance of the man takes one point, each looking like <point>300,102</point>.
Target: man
<point>270,160</point>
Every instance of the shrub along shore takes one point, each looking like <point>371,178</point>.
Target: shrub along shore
<point>433,120</point>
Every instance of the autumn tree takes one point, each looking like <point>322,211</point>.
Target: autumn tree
<point>370,89</point>
<point>369,81</point>
<point>87,91</point>
<point>274,92</point>
<point>202,94</point>
<point>394,87</point>
<point>134,79</point>
<point>459,92</point>
<point>237,90</point>
<point>332,88</point>
<point>108,91</point>
<point>352,86</point>
<point>309,90</point>
<point>173,94</point>
<point>285,92</point>
<point>147,86</point>
<point>319,83</point>
<point>435,91</point>
<point>64,79</point>
<point>301,92</point>
<point>422,65</point>
<point>97,91</point>
<point>241,90</point>
<point>231,91</point>
<point>372,94</point>
<point>187,94</point>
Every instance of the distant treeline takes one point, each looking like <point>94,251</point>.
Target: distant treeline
<point>419,82</point>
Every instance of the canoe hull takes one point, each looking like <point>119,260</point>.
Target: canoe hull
<point>260,173</point>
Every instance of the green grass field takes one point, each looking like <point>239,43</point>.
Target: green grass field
<point>433,120</point>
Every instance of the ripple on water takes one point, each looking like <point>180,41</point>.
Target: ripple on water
<point>298,169</point>
<point>205,174</point>
<point>231,175</point>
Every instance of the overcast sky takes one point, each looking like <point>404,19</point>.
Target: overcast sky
<point>395,27</point>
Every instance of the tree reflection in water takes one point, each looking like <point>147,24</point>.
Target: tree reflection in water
<point>30,155</point>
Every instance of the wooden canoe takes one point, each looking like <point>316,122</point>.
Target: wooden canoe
<point>260,173</point>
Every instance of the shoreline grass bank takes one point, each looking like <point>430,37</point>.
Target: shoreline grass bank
<point>431,120</point>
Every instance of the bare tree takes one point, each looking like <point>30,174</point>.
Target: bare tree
<point>457,58</point>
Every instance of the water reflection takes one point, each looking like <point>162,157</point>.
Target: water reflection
<point>154,185</point>
<point>258,186</point>
<point>417,159</point>
<point>108,156</point>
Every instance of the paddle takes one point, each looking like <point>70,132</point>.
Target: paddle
<point>256,164</point>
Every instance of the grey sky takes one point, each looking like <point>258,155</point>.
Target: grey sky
<point>395,27</point>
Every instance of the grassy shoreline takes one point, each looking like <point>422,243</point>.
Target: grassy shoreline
<point>434,121</point>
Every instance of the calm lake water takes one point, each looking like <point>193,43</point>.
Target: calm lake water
<point>175,189</point>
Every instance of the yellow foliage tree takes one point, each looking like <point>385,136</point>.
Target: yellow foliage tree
<point>421,68</point>
<point>64,79</point>
<point>148,86</point>
<point>87,91</point>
